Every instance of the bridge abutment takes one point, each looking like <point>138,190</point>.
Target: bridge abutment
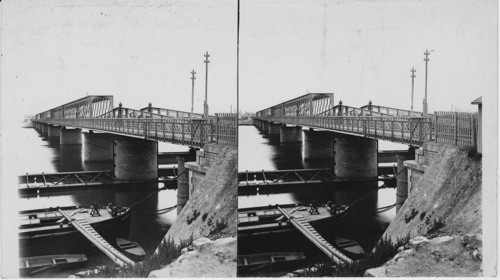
<point>290,134</point>
<point>183,181</point>
<point>402,179</point>
<point>135,159</point>
<point>97,147</point>
<point>355,157</point>
<point>70,136</point>
<point>317,145</point>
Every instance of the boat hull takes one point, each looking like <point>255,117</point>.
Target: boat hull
<point>130,249</point>
<point>249,263</point>
<point>68,240</point>
<point>31,265</point>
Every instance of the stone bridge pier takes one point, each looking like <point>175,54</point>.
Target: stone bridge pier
<point>273,130</point>
<point>97,146</point>
<point>53,131</point>
<point>290,134</point>
<point>70,136</point>
<point>317,145</point>
<point>135,159</point>
<point>355,157</point>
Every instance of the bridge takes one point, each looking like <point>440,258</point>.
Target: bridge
<point>130,137</point>
<point>349,135</point>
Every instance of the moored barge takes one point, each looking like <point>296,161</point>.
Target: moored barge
<point>46,231</point>
<point>268,219</point>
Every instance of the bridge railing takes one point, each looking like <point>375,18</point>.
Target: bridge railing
<point>343,110</point>
<point>226,128</point>
<point>195,132</point>
<point>124,112</point>
<point>170,113</point>
<point>390,111</point>
<point>189,132</point>
<point>456,128</point>
<point>412,131</point>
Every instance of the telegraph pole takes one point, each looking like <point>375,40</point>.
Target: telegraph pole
<point>426,59</point>
<point>192,91</point>
<point>412,86</point>
<point>205,105</point>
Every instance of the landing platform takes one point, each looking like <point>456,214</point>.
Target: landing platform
<point>68,181</point>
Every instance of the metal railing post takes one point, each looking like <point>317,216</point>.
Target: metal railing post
<point>217,128</point>
<point>456,128</point>
<point>435,127</point>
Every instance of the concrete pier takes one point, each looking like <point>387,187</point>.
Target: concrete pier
<point>317,145</point>
<point>53,131</point>
<point>290,134</point>
<point>97,147</point>
<point>355,157</point>
<point>135,159</point>
<point>70,136</point>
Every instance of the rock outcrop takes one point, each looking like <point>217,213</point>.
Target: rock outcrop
<point>212,208</point>
<point>446,200</point>
<point>445,256</point>
<point>204,258</point>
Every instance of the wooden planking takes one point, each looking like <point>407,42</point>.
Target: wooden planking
<point>93,236</point>
<point>310,233</point>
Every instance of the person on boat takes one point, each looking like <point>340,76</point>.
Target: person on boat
<point>314,208</point>
<point>332,208</point>
<point>95,210</point>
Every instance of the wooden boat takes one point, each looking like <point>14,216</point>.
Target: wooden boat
<point>247,263</point>
<point>268,219</point>
<point>32,265</point>
<point>349,247</point>
<point>47,232</point>
<point>131,249</point>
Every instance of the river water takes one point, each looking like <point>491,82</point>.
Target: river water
<point>258,152</point>
<point>39,154</point>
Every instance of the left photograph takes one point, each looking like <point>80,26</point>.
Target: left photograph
<point>119,139</point>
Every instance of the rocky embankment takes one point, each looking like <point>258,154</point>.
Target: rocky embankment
<point>204,258</point>
<point>446,200</point>
<point>212,207</point>
<point>209,214</point>
<point>444,203</point>
<point>445,256</point>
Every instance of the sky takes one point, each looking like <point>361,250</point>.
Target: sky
<point>57,51</point>
<point>364,50</point>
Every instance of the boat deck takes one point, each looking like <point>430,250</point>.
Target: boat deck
<point>32,221</point>
<point>262,219</point>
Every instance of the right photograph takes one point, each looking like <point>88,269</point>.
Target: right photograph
<point>360,139</point>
